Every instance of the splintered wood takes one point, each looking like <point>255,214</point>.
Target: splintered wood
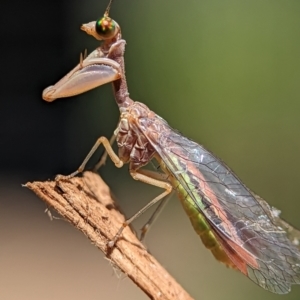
<point>87,203</point>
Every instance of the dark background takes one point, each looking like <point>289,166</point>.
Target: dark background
<point>225,73</point>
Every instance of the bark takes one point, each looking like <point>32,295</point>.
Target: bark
<point>87,203</point>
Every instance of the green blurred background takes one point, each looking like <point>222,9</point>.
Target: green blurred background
<point>224,73</point>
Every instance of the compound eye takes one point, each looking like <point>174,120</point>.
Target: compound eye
<point>106,27</point>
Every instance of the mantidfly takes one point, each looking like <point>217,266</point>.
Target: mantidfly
<point>239,228</point>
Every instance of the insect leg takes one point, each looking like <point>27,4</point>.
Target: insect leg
<point>160,176</point>
<point>141,176</point>
<point>145,229</point>
<point>103,158</point>
<point>114,157</point>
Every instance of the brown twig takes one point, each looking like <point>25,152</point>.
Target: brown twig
<point>87,204</point>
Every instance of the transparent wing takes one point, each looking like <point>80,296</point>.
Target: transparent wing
<point>243,223</point>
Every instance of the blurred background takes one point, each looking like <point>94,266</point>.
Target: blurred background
<point>225,73</point>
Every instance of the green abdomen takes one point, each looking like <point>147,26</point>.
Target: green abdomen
<point>200,225</point>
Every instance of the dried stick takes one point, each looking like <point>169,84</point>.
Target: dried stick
<point>87,204</point>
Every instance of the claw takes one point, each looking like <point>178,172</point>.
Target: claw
<point>90,73</point>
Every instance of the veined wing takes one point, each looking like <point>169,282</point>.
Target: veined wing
<point>243,223</point>
<point>273,213</point>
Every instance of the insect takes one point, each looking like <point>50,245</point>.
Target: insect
<point>239,228</point>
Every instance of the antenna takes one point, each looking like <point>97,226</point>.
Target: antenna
<point>108,8</point>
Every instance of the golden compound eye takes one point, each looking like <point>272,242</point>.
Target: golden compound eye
<point>106,27</point>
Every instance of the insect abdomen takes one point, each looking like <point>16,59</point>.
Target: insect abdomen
<point>201,226</point>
